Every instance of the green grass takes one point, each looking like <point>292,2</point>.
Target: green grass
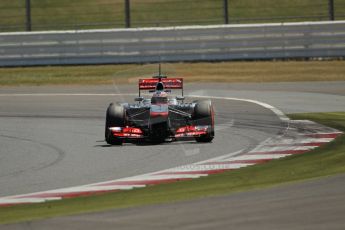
<point>89,14</point>
<point>192,72</point>
<point>325,161</point>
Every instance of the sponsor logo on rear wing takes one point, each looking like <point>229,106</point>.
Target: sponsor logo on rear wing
<point>169,83</point>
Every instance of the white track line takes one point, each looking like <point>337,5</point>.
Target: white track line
<point>197,167</point>
<point>158,177</point>
<point>282,148</point>
<point>260,157</point>
<point>9,201</point>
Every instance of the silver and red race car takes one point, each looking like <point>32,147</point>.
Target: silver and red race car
<point>159,118</point>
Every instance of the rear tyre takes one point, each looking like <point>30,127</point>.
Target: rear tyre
<point>204,115</point>
<point>115,117</point>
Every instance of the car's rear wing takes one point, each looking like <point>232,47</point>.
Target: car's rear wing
<point>169,83</point>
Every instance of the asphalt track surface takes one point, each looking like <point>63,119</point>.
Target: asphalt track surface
<point>56,141</point>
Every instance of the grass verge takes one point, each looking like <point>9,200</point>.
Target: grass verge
<point>280,71</point>
<point>324,161</point>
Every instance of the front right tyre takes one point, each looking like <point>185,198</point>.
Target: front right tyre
<point>115,117</point>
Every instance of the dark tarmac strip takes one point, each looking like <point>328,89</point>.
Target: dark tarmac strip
<point>314,204</point>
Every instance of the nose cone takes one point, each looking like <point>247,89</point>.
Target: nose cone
<point>159,113</point>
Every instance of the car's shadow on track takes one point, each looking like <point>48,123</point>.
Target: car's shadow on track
<point>150,144</point>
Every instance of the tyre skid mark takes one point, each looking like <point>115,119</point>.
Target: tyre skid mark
<point>59,152</point>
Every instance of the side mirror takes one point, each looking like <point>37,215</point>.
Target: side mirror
<point>139,99</point>
<point>180,98</point>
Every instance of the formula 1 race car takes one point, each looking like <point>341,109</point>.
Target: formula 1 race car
<point>161,117</point>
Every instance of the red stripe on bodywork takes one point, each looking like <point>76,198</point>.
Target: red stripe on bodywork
<point>159,114</point>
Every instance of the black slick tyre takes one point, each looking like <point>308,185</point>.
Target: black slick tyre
<point>204,115</point>
<point>115,117</point>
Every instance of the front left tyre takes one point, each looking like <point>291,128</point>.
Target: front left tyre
<point>204,116</point>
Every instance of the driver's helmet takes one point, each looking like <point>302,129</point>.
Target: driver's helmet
<point>160,94</point>
<point>159,97</point>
